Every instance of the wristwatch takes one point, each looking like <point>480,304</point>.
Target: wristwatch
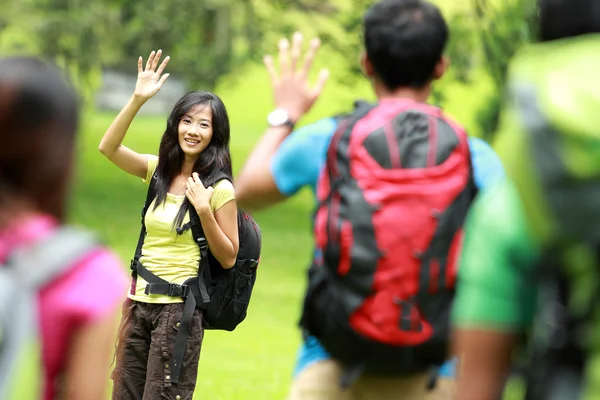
<point>280,117</point>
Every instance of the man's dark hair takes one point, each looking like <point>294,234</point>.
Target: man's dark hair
<point>404,40</point>
<point>561,19</point>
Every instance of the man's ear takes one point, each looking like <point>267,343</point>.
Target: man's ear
<point>366,65</point>
<point>441,67</point>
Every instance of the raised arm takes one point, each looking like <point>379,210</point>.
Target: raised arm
<point>294,96</point>
<point>148,83</point>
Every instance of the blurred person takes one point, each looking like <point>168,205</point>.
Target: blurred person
<point>404,44</point>
<point>78,289</point>
<point>528,284</point>
<point>192,180</point>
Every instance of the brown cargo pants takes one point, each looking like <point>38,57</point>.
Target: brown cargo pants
<point>144,350</point>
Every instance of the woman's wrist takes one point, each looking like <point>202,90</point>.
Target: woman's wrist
<point>137,100</point>
<point>203,211</point>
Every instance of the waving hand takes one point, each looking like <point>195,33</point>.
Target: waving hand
<point>149,79</point>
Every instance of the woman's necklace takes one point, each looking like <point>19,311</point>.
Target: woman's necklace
<point>182,188</point>
<point>180,191</point>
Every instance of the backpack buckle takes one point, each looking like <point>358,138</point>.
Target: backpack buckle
<point>202,243</point>
<point>133,265</point>
<point>178,290</point>
<point>185,291</point>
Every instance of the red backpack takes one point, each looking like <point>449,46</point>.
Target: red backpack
<point>393,197</point>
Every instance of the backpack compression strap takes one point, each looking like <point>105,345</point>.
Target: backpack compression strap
<point>41,262</point>
<point>157,285</point>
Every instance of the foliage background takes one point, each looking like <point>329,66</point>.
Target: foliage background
<point>219,43</point>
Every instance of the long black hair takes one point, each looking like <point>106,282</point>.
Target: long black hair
<point>216,158</point>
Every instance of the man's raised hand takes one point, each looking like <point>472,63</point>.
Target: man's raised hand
<point>291,89</point>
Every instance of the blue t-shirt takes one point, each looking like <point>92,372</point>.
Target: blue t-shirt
<point>298,162</point>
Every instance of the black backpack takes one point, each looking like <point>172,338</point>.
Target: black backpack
<point>222,294</point>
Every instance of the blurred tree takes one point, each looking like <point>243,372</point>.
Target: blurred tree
<point>68,31</point>
<point>338,23</point>
<point>208,39</point>
<point>487,36</point>
<point>198,35</point>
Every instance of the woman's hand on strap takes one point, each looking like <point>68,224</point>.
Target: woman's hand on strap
<point>220,229</point>
<point>149,79</point>
<point>198,195</point>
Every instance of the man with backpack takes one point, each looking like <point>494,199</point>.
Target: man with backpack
<point>393,181</point>
<point>532,244</point>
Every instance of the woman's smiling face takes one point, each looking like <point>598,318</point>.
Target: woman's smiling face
<point>195,130</point>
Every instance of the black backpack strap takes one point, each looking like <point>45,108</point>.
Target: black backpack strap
<point>157,285</point>
<point>199,290</point>
<point>182,337</point>
<point>210,182</point>
<point>204,274</point>
<point>135,262</point>
<point>219,177</point>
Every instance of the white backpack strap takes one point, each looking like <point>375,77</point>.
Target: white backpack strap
<point>40,262</point>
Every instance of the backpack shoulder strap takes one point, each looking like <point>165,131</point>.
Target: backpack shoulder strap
<point>337,152</point>
<point>218,177</point>
<point>150,195</point>
<point>39,263</point>
<point>195,225</point>
<point>198,232</point>
<point>355,106</point>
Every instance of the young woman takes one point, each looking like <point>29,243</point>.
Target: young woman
<point>79,306</point>
<point>194,148</point>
